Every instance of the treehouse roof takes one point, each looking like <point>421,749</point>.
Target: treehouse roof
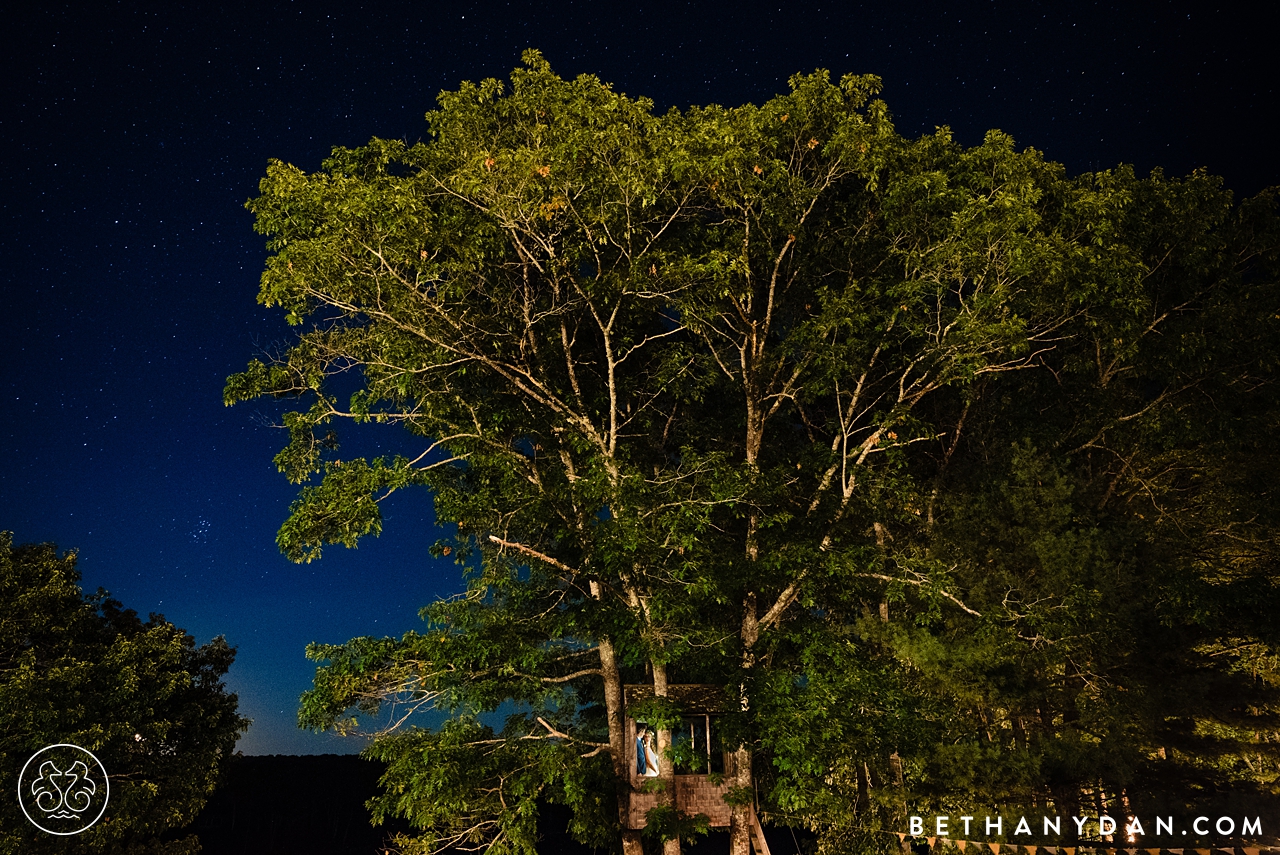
<point>694,698</point>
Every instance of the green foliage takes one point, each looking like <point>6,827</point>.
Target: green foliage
<point>1106,517</point>
<point>140,695</point>
<point>666,823</point>
<point>466,784</point>
<point>942,463</point>
<point>657,713</point>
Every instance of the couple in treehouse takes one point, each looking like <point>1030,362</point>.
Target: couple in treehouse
<point>646,754</point>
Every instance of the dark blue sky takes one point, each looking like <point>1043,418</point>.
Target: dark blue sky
<point>132,135</point>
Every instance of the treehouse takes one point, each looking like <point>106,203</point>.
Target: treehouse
<point>697,741</point>
<point>700,755</point>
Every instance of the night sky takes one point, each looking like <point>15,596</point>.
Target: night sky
<point>132,136</point>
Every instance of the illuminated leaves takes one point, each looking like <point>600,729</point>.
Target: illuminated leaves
<point>714,365</point>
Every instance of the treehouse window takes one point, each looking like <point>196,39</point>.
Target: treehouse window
<point>698,749</point>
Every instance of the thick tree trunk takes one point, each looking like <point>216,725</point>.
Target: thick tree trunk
<point>749,634</point>
<point>740,816</point>
<point>622,753</point>
<point>666,769</point>
<point>899,782</point>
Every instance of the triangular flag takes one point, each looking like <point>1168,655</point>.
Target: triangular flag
<point>1052,850</point>
<point>1155,851</point>
<point>1252,850</point>
<point>963,843</point>
<point>930,841</point>
<point>1070,850</point>
<point>901,836</point>
<point>994,847</point>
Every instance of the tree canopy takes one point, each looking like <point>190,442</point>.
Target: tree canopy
<point>141,695</point>
<point>927,454</point>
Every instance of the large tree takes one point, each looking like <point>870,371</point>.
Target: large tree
<point>691,386</point>
<point>1109,522</point>
<point>140,694</point>
<point>847,280</point>
<point>496,289</point>
<point>1130,525</point>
